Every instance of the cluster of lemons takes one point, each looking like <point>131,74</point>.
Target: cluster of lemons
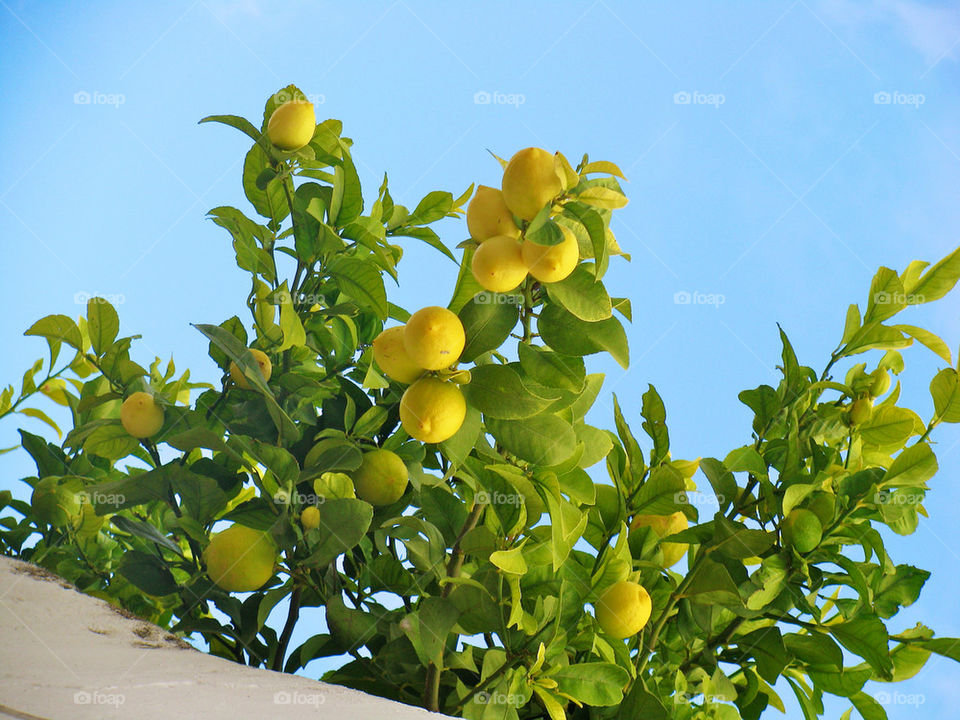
<point>503,258</point>
<point>433,408</point>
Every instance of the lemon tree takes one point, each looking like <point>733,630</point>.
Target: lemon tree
<point>426,483</point>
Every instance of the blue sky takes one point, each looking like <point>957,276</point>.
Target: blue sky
<point>779,187</point>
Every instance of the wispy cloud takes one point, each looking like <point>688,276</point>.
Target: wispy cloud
<point>933,31</point>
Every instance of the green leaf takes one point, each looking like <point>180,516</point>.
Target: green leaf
<point>361,282</point>
<point>912,467</point>
<point>887,297</point>
<point>947,647</point>
<point>569,335</point>
<point>435,205</point>
<point>57,327</point>
<point>457,448</point>
<point>545,231</point>
<point>711,584</point>
<point>596,231</point>
<point>945,389</point>
<point>662,493</point>
<point>552,369</point>
<point>146,531</point>
<point>927,338</point>
<point>102,324</point>
<point>602,197</point>
<point>655,424</point>
<point>437,617</point>
<point>868,708</point>
<point>738,541</point>
<point>899,589</point>
<point>867,637</point>
<point>880,337</point>
<point>147,572</point>
<point>935,282</point>
<point>497,391</point>
<point>488,318</point>
<point>592,683</point>
<point>567,523</point>
<point>581,295</point>
<point>343,523</point>
<point>815,649</point>
<point>766,647</point>
<point>347,202</point>
<point>889,426</point>
<point>540,439</point>
<point>510,561</point>
<point>270,202</point>
<point>234,121</point>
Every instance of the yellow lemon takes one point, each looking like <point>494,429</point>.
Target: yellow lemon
<point>310,518</point>
<point>433,338</point>
<point>488,215</point>
<point>291,125</point>
<point>240,559</point>
<point>391,356</point>
<point>263,362</point>
<point>552,263</point>
<point>381,478</point>
<point>664,525</point>
<point>432,410</point>
<point>802,530</point>
<point>141,416</point>
<point>530,181</point>
<point>623,609</point>
<point>498,264</point>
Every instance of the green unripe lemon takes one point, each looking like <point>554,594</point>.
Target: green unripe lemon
<point>860,412</point>
<point>381,478</point>
<point>801,529</point>
<point>240,559</point>
<point>56,501</point>
<point>880,382</point>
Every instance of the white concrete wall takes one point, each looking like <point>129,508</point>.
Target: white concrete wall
<point>65,655</point>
